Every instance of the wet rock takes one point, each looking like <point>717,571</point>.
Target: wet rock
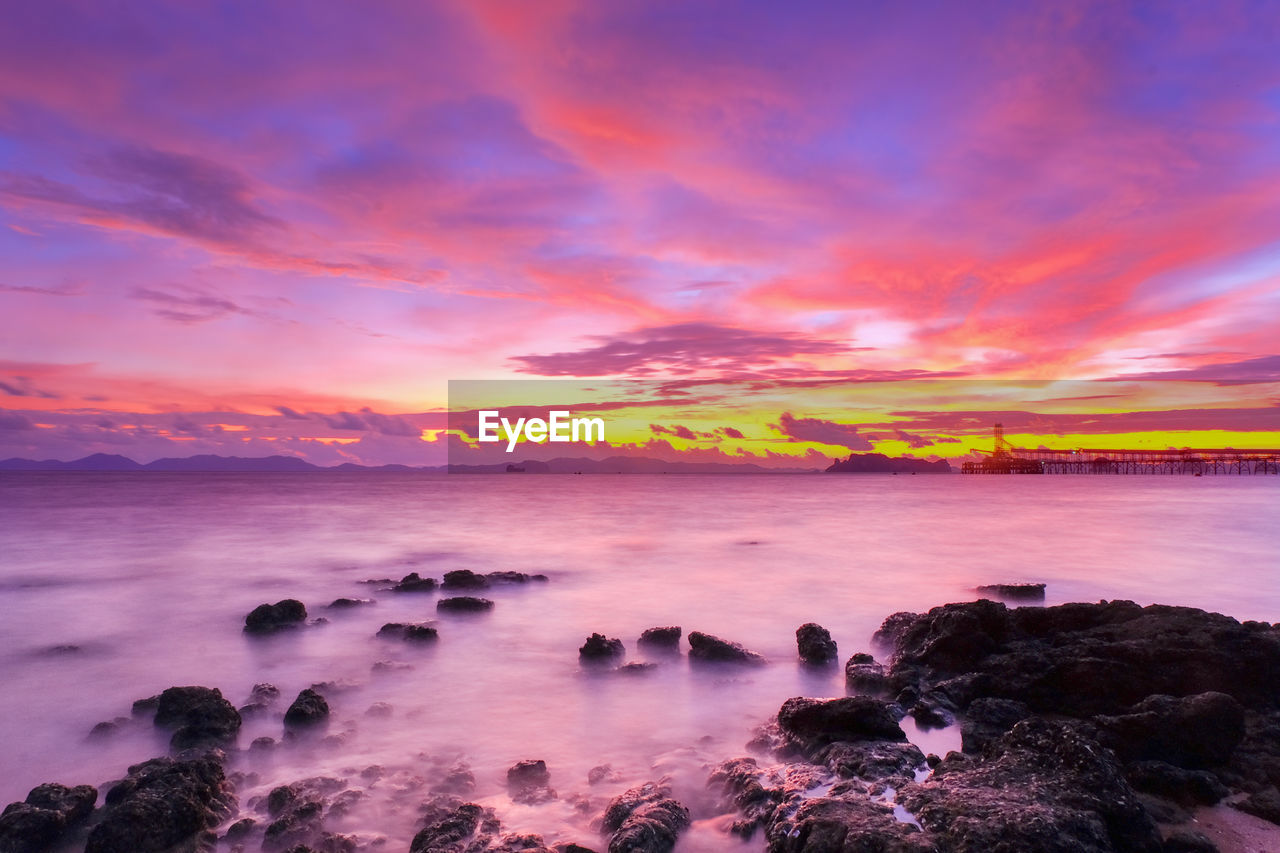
<point>47,816</point>
<point>1044,786</point>
<point>161,804</point>
<point>529,782</point>
<point>454,827</point>
<point>464,604</point>
<point>412,582</point>
<point>645,819</point>
<point>464,579</point>
<point>416,632</point>
<point>863,674</point>
<point>1187,841</point>
<point>379,709</point>
<point>603,773</point>
<point>600,649</point>
<point>145,707</point>
<point>1088,659</point>
<point>1014,591</point>
<point>636,668</point>
<point>308,709</point>
<point>298,812</point>
<point>757,793</point>
<point>887,762</point>
<point>514,577</point>
<point>107,728</point>
<point>240,829</point>
<point>814,722</point>
<point>710,649</point>
<point>815,644</point>
<point>987,719</point>
<point>1185,787</point>
<point>200,716</point>
<point>1195,732</point>
<point>665,639</point>
<point>528,772</point>
<point>349,603</point>
<point>262,744</point>
<point>1264,804</point>
<point>889,634</point>
<point>458,779</point>
<point>930,716</point>
<point>847,825</point>
<point>267,618</point>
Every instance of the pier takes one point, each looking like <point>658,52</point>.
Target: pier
<point>1007,459</point>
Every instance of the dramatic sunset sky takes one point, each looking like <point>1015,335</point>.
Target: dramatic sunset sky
<point>281,227</point>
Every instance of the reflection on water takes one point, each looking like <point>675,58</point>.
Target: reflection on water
<point>113,587</point>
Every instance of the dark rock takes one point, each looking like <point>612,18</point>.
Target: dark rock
<point>161,804</point>
<point>815,644</point>
<point>644,820</point>
<point>710,649</point>
<point>266,618</point>
<point>1195,732</point>
<point>666,639</point>
<point>1014,591</point>
<point>863,674</point>
<point>458,779</point>
<point>418,632</point>
<point>529,772</point>
<point>47,816</point>
<point>891,631</point>
<point>889,762</point>
<point>298,812</point>
<point>464,604</point>
<point>143,707</point>
<point>987,719</point>
<point>106,728</point>
<point>1087,659</point>
<point>348,603</point>
<point>1043,786</point>
<point>853,718</point>
<point>602,773</point>
<point>412,582</point>
<point>760,795</point>
<point>1185,787</point>
<point>464,579</point>
<point>1187,841</point>
<point>930,716</point>
<point>600,649</point>
<point>199,716</point>
<point>847,825</point>
<point>529,782</point>
<point>309,708</point>
<point>448,829</point>
<point>513,577</point>
<point>636,668</point>
<point>240,829</point>
<point>264,693</point>
<point>1264,804</point>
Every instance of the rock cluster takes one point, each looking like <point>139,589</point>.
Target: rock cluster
<point>1080,725</point>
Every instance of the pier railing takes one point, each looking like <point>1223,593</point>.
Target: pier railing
<point>1018,460</point>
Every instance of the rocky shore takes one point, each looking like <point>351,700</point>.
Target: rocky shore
<point>1084,727</point>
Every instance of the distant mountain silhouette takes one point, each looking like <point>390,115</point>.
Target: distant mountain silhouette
<point>107,462</point>
<point>878,463</point>
<point>286,464</point>
<point>857,463</point>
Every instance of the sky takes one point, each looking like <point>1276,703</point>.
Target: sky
<point>253,228</point>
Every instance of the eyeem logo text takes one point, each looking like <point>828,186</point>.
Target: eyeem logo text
<point>560,427</point>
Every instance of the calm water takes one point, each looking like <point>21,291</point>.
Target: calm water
<point>150,575</point>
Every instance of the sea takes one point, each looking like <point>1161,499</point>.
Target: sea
<point>115,586</point>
